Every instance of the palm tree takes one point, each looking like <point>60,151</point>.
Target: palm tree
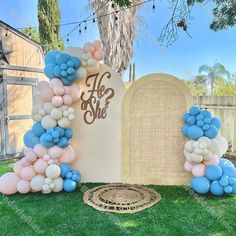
<point>211,73</point>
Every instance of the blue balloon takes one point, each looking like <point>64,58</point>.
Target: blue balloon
<point>194,132</point>
<point>200,185</point>
<point>234,189</point>
<point>185,130</point>
<point>64,73</point>
<point>63,66</point>
<point>70,71</point>
<point>69,175</point>
<point>66,82</point>
<point>200,117</point>
<point>60,130</point>
<point>50,57</point>
<point>200,123</point>
<point>216,122</point>
<point>230,171</point>
<point>205,127</point>
<point>48,70</point>
<point>69,185</point>
<point>50,131</point>
<point>207,120</point>
<point>76,62</point>
<point>55,134</point>
<point>62,58</point>
<point>228,189</point>
<point>232,181</point>
<point>225,163</point>
<point>57,71</point>
<point>206,113</point>
<point>70,63</point>
<point>224,181</point>
<point>194,110</point>
<point>64,169</point>
<point>30,140</point>
<point>211,132</point>
<point>191,120</point>
<point>48,138</point>
<point>213,172</point>
<point>44,141</point>
<point>69,133</point>
<point>38,129</point>
<point>216,189</point>
<point>63,142</point>
<point>73,77</point>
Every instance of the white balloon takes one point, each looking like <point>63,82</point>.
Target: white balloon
<point>203,145</point>
<point>47,122</point>
<point>188,146</point>
<point>58,185</point>
<point>56,114</point>
<point>48,107</point>
<point>197,158</point>
<point>53,171</point>
<point>195,144</point>
<point>216,148</point>
<point>223,142</point>
<point>37,183</point>
<point>208,156</point>
<point>198,151</point>
<point>82,72</point>
<point>64,122</point>
<point>205,140</point>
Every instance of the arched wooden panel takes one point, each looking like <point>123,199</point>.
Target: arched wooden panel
<point>152,138</point>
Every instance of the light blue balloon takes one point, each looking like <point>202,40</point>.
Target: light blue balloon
<point>216,122</point>
<point>211,132</point>
<point>200,185</point>
<point>69,133</point>
<point>200,117</point>
<point>207,120</point>
<point>69,185</point>
<point>63,142</point>
<point>234,189</point>
<point>216,188</point>
<point>230,171</point>
<point>38,129</point>
<point>44,142</point>
<point>69,175</point>
<point>64,169</point>
<point>195,132</point>
<point>224,181</point>
<point>55,134</point>
<point>49,70</point>
<point>70,63</point>
<point>60,130</point>
<point>225,163</point>
<point>191,120</point>
<point>200,123</point>
<point>205,127</point>
<point>232,181</point>
<point>30,140</point>
<point>62,58</point>
<point>185,130</point>
<point>206,113</point>
<point>63,66</point>
<point>76,62</point>
<point>213,172</point>
<point>194,110</point>
<point>228,189</point>
<point>50,57</point>
<point>57,71</point>
<point>66,82</point>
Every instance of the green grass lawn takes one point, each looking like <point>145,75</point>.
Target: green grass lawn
<point>178,213</point>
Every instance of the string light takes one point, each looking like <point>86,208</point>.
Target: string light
<point>85,25</point>
<point>94,18</point>
<point>6,34</point>
<point>80,29</point>
<point>67,40</point>
<point>153,5</point>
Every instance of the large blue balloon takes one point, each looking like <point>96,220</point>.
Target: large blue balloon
<point>69,133</point>
<point>50,57</point>
<point>38,129</point>
<point>30,140</point>
<point>228,189</point>
<point>64,169</point>
<point>194,110</point>
<point>69,185</point>
<point>63,142</point>
<point>216,189</point>
<point>45,142</point>
<point>216,122</point>
<point>200,185</point>
<point>230,171</point>
<point>234,189</point>
<point>211,132</point>
<point>185,130</point>
<point>195,132</point>
<point>48,70</point>
<point>213,172</point>
<point>225,163</point>
<point>206,113</point>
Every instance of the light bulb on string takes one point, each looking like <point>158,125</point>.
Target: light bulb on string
<point>153,5</point>
<point>94,18</point>
<point>80,31</point>
<point>116,17</point>
<point>85,26</point>
<point>6,34</point>
<point>30,34</point>
<point>67,39</point>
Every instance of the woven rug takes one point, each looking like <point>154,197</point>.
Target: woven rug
<point>121,198</point>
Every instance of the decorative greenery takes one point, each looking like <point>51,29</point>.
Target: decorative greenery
<point>224,13</point>
<point>123,3</point>
<point>32,33</point>
<point>49,24</point>
<point>196,88</point>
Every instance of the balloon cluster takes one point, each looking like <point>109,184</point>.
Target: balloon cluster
<point>48,141</point>
<point>71,177</point>
<point>204,150</point>
<point>218,180</point>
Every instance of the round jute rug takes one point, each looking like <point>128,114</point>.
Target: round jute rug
<point>121,198</point>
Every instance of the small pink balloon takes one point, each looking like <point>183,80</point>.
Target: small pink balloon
<point>46,157</point>
<point>215,160</point>
<point>17,167</point>
<point>40,150</point>
<point>25,162</point>
<point>188,166</point>
<point>40,166</point>
<point>26,150</point>
<point>59,91</point>
<point>55,152</point>
<point>198,170</point>
<point>68,155</point>
<point>46,95</point>
<point>42,85</point>
<point>28,173</point>
<point>67,90</point>
<point>98,55</point>
<point>8,183</point>
<point>88,47</point>
<point>98,45</point>
<point>57,101</point>
<point>67,99</point>
<point>23,186</point>
<point>75,92</point>
<point>31,157</point>
<point>55,82</point>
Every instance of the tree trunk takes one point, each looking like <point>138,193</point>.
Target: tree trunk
<point>117,32</point>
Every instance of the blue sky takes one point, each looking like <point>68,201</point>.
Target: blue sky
<point>182,59</point>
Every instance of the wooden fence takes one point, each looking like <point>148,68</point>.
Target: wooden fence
<point>225,108</point>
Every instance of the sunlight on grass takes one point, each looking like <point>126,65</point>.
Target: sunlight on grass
<point>127,224</point>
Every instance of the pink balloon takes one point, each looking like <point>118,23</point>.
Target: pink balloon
<point>57,101</point>
<point>55,82</point>
<point>25,162</point>
<point>88,47</point>
<point>67,89</point>
<point>27,150</point>
<point>58,90</point>
<point>188,166</point>
<point>214,161</point>
<point>46,157</point>
<point>40,150</point>
<point>42,85</point>
<point>17,167</point>
<point>68,155</point>
<point>27,173</point>
<point>67,99</point>
<point>40,166</point>
<point>55,152</point>
<point>98,55</point>
<point>98,45</point>
<point>31,157</point>
<point>198,170</point>
<point>46,95</point>
<point>23,186</point>
<point>8,183</point>
<point>75,92</point>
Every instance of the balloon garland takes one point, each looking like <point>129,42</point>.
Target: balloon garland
<point>45,165</point>
<point>203,153</point>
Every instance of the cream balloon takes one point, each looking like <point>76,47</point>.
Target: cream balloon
<point>58,185</point>
<point>47,122</point>
<point>53,171</point>
<point>216,148</point>
<point>37,183</point>
<point>223,142</point>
